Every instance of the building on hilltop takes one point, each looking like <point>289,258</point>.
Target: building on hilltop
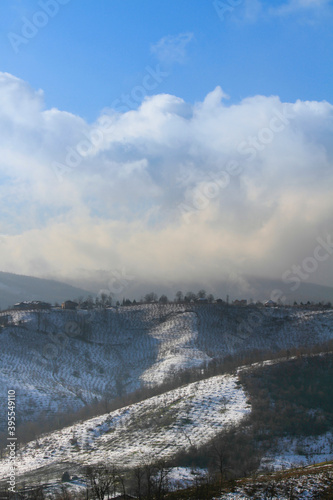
<point>242,302</point>
<point>270,303</point>
<point>69,304</point>
<point>32,304</point>
<point>201,300</point>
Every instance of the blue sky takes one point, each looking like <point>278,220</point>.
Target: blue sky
<point>89,53</point>
<point>173,142</point>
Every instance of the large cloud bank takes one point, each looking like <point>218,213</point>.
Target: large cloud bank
<point>170,191</point>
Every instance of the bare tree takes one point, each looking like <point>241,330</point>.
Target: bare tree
<point>220,455</point>
<point>139,477</point>
<point>163,299</point>
<point>190,296</point>
<point>160,480</point>
<point>104,299</point>
<point>151,297</point>
<point>100,481</point>
<point>118,478</point>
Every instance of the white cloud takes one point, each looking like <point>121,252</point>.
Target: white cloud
<point>255,177</point>
<point>308,10</point>
<point>172,49</point>
<point>301,6</point>
<point>247,11</point>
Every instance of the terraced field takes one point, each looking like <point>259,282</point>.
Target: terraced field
<point>57,361</point>
<point>156,428</point>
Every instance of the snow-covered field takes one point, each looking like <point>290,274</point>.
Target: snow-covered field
<point>155,428</point>
<point>300,485</point>
<point>61,360</point>
<point>180,478</point>
<point>300,451</point>
<point>58,361</point>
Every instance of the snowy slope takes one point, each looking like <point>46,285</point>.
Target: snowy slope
<point>60,360</point>
<point>156,428</point>
<point>310,483</point>
<point>301,451</point>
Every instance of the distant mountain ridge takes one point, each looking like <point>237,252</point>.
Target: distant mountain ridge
<point>241,287</point>
<point>16,288</point>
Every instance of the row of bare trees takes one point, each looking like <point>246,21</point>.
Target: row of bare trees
<point>148,481</point>
<point>104,300</point>
<point>180,297</point>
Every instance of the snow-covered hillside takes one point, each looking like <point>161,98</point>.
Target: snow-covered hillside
<point>308,483</point>
<point>156,428</point>
<point>60,360</point>
<point>299,451</point>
